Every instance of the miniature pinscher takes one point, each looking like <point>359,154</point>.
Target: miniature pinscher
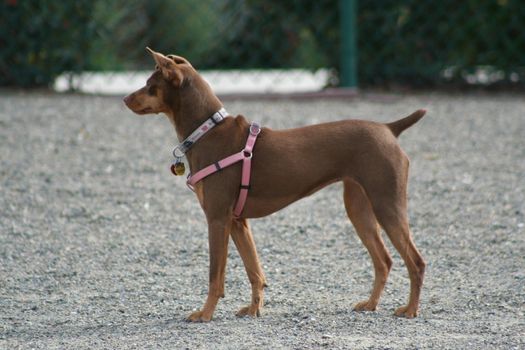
<point>285,165</point>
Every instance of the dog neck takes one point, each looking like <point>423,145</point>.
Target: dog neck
<point>184,146</point>
<point>192,104</point>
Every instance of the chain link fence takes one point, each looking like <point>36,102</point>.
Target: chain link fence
<point>365,43</point>
<point>437,42</point>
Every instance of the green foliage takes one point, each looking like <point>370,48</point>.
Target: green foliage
<point>413,42</point>
<point>41,39</point>
<point>126,27</point>
<point>406,42</point>
<point>276,34</point>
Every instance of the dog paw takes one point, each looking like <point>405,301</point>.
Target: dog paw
<point>405,311</point>
<point>365,306</point>
<point>198,316</point>
<point>252,311</point>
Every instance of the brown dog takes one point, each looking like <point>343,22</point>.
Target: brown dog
<point>287,165</point>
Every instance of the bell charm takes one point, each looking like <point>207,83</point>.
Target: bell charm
<point>178,168</point>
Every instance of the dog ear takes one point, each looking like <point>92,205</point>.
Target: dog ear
<point>179,60</point>
<point>168,67</point>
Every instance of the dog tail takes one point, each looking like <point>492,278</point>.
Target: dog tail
<point>400,125</point>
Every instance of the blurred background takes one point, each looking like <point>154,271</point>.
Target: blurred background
<point>373,43</point>
<point>102,248</point>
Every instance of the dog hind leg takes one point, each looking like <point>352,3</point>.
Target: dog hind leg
<point>401,237</point>
<point>360,212</point>
<point>390,208</point>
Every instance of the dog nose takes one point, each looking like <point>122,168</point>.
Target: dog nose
<point>127,100</point>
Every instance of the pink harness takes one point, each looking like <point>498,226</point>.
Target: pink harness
<point>246,156</point>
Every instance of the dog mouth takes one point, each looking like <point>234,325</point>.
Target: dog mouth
<point>145,110</point>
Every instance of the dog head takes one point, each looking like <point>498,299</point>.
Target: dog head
<point>176,89</point>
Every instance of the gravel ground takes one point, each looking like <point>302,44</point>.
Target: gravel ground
<point>102,248</point>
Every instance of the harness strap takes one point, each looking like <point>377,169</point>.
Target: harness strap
<point>213,168</point>
<point>246,156</point>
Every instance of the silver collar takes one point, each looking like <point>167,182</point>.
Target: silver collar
<point>183,147</point>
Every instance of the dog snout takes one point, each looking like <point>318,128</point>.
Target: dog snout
<point>127,100</point>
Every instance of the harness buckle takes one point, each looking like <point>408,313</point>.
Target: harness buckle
<point>255,128</point>
<point>178,153</point>
<point>219,116</point>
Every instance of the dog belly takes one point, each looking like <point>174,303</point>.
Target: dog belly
<point>280,191</point>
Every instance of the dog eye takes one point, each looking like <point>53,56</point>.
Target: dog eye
<point>151,90</point>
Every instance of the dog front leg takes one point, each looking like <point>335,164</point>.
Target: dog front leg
<point>218,246</point>
<point>243,239</point>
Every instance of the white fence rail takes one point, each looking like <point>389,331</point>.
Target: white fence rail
<point>223,82</point>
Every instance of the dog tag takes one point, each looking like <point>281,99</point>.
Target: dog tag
<point>178,168</point>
